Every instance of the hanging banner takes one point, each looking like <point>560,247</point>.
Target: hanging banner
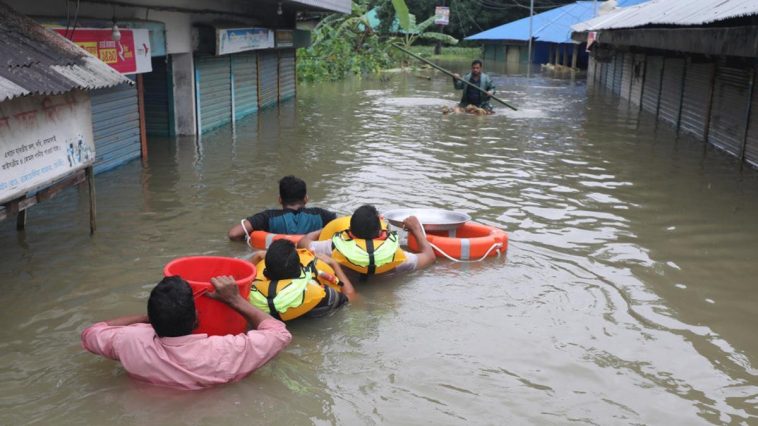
<point>441,15</point>
<point>121,55</point>
<point>243,39</point>
<point>43,139</point>
<point>591,39</point>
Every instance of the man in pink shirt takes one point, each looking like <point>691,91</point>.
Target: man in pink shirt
<point>160,349</point>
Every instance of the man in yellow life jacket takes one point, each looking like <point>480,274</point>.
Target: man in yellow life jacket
<point>368,249</point>
<point>292,283</point>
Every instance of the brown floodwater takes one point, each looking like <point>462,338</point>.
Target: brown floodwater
<point>627,296</point>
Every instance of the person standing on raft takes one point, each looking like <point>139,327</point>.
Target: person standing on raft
<point>472,96</point>
<point>365,245</point>
<point>292,218</point>
<point>293,283</point>
<point>159,348</point>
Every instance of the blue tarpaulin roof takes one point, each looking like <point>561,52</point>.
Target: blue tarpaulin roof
<point>553,26</point>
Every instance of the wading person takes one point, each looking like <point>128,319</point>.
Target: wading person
<point>293,283</point>
<point>368,249</point>
<point>160,349</point>
<point>293,218</point>
<point>471,96</point>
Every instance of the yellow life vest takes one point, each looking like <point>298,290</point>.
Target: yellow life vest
<point>291,298</point>
<point>368,257</point>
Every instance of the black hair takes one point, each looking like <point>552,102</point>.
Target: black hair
<point>364,223</point>
<point>282,261</point>
<point>171,308</point>
<point>292,189</point>
<point>476,61</point>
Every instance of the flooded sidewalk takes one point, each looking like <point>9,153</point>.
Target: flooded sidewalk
<point>627,294</point>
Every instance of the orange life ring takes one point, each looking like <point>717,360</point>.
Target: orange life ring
<point>469,241</point>
<point>261,239</point>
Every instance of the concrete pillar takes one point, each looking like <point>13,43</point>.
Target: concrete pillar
<point>185,120</point>
<point>574,56</point>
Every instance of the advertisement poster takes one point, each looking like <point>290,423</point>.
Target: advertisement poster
<point>42,139</point>
<point>129,55</point>
<point>441,15</point>
<point>243,39</point>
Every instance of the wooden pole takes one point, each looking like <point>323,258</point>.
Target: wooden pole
<point>575,56</point>
<point>21,220</point>
<point>89,171</point>
<point>432,64</point>
<point>142,118</point>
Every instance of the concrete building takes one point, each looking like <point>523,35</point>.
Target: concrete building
<point>46,135</point>
<point>691,63</point>
<point>199,64</point>
<point>551,36</point>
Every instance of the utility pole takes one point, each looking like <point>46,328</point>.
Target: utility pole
<point>529,60</point>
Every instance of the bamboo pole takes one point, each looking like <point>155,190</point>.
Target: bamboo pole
<point>451,75</point>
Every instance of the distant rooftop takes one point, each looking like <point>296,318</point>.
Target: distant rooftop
<point>38,61</point>
<point>671,13</point>
<point>552,26</point>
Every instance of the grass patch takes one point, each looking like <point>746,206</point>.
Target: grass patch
<point>448,53</point>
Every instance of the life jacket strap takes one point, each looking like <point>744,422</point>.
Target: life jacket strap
<point>270,299</point>
<point>371,260</point>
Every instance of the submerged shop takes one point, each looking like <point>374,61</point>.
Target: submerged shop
<point>691,65</point>
<point>196,64</point>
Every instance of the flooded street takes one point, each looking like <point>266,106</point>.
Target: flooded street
<point>627,296</point>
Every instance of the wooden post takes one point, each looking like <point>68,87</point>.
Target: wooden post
<point>142,125</point>
<point>575,56</point>
<point>747,116</point>
<point>565,56</point>
<point>21,220</point>
<point>557,55</point>
<point>89,171</point>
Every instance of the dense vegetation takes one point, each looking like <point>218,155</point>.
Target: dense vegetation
<point>343,45</point>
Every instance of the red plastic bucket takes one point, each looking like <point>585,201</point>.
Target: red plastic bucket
<point>214,318</point>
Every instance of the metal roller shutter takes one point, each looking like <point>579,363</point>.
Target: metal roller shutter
<point>116,127</point>
<point>618,69</point>
<point>652,86</point>
<point>671,90</point>
<point>245,75</point>
<point>751,143</point>
<point>214,91</point>
<point>286,74</point>
<point>696,99</point>
<point>159,104</point>
<point>638,77</point>
<point>610,70</point>
<point>268,63</point>
<point>729,112</point>
<point>626,75</point>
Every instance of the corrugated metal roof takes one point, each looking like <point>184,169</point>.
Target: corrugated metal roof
<point>672,13</point>
<point>35,60</point>
<point>552,26</point>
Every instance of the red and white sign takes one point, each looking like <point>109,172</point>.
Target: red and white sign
<point>129,55</point>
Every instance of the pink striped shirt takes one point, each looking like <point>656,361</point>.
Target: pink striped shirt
<point>194,361</point>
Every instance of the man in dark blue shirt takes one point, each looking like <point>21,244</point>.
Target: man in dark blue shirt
<point>292,218</point>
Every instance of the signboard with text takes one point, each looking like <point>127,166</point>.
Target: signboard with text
<point>242,39</point>
<point>43,139</point>
<point>285,38</point>
<point>129,55</point>
<point>441,15</point>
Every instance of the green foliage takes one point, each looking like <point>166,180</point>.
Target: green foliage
<point>401,11</point>
<point>343,45</point>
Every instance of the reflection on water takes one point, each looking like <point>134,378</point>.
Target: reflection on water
<point>626,295</point>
